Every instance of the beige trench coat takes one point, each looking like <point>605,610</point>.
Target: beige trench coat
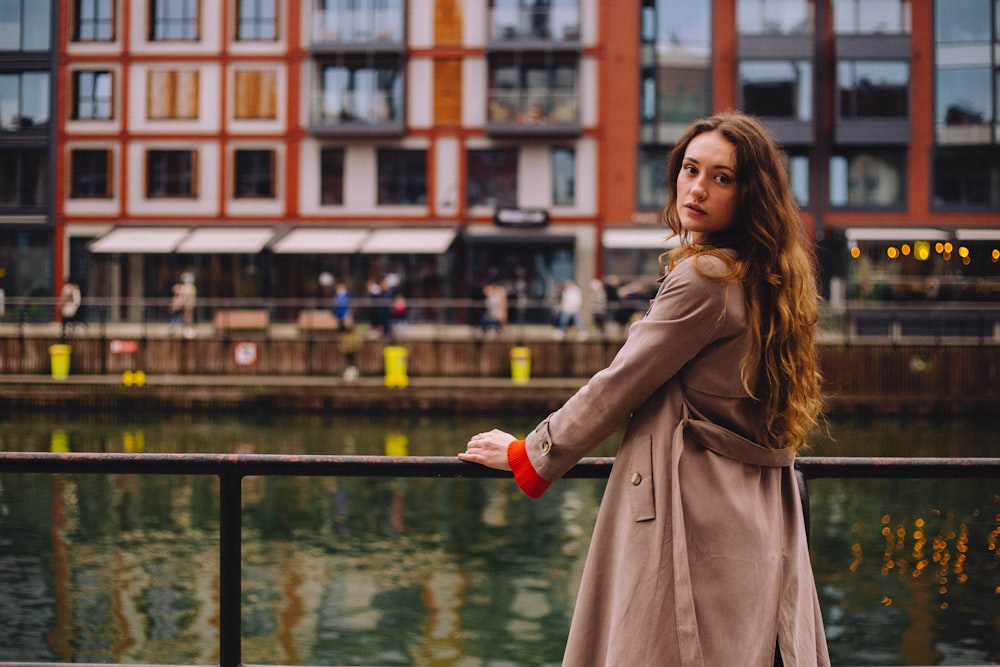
<point>699,556</point>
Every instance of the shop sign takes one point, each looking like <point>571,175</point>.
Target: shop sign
<point>124,346</point>
<point>521,217</point>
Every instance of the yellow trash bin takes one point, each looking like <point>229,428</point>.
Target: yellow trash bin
<point>59,356</point>
<point>395,366</point>
<point>520,364</point>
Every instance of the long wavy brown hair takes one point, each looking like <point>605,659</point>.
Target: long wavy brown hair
<point>777,270</point>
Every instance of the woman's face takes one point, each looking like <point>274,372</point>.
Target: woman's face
<point>707,191</point>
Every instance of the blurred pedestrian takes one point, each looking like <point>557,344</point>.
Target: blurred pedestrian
<point>70,299</point>
<point>182,304</point>
<point>570,303</point>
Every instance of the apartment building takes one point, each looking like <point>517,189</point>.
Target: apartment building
<point>263,144</point>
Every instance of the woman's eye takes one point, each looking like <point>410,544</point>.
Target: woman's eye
<point>724,178</point>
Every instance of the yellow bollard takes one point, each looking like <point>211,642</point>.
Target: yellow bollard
<point>395,366</point>
<point>59,356</point>
<point>520,364</point>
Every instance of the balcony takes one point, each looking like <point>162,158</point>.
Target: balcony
<point>512,26</point>
<point>533,112</point>
<point>353,113</point>
<point>359,30</point>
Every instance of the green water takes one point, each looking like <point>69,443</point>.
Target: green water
<point>108,568</point>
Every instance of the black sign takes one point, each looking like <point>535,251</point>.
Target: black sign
<point>521,217</point>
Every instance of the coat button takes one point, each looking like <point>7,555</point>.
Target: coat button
<point>546,446</point>
<point>636,479</point>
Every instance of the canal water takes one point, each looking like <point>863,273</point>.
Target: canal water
<point>440,572</point>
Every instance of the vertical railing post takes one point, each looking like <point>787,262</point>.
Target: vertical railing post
<point>230,566</point>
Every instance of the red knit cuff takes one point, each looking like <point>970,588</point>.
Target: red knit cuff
<point>524,473</point>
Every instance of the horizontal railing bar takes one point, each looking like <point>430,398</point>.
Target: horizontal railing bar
<point>441,466</point>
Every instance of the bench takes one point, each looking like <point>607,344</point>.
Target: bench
<point>316,320</point>
<point>242,320</point>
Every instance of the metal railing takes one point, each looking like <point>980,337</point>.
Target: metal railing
<point>854,320</point>
<point>232,468</point>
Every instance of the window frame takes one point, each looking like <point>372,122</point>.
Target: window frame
<point>93,97</point>
<point>161,23</point>
<point>326,156</point>
<point>895,157</point>
<point>81,185</point>
<point>97,22</point>
<point>20,186</point>
<point>260,182</point>
<point>21,115</point>
<point>563,180</point>
<point>493,163</point>
<point>403,173</point>
<point>257,20</point>
<point>174,186</point>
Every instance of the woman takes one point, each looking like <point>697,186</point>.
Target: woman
<point>699,555</point>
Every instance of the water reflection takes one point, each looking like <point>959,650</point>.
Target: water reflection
<point>123,568</point>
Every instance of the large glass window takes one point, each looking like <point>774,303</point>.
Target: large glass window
<point>362,93</point>
<point>402,177</point>
<point>874,89</point>
<point>254,173</point>
<point>170,173</point>
<point>24,25</point>
<point>532,91</point>
<point>777,88</point>
<point>563,176</point>
<point>967,178</point>
<point>23,178</point>
<point>798,174</point>
<point>173,20</point>
<point>92,95</point>
<point>966,71</point>
<point>868,17</point>
<point>91,176</point>
<point>24,100</point>
<point>94,21</point>
<point>676,64</point>
<point>361,21</point>
<point>774,17</point>
<point>491,177</point>
<point>256,20</point>
<point>331,176</point>
<point>651,177</point>
<point>868,178</point>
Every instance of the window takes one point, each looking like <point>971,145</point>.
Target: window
<point>491,177</point>
<point>776,88</point>
<point>867,178</point>
<point>24,25</point>
<point>256,94</point>
<point>23,178</point>
<point>24,100</point>
<point>651,177</point>
<point>173,20</point>
<point>94,21</point>
<point>360,93</point>
<point>538,90</point>
<point>170,173</point>
<point>254,173</point>
<point>798,175</point>
<point>774,17</point>
<point>91,175</point>
<point>172,94</point>
<point>92,95</point>
<point>256,20</point>
<point>331,169</point>
<point>868,17</point>
<point>967,177</point>
<point>676,64</point>
<point>563,176</point>
<point>870,89</point>
<point>402,177</point>
<point>966,75</point>
<point>361,21</point>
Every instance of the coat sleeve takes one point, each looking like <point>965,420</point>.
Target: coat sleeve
<point>688,314</point>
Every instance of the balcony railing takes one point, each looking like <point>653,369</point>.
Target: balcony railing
<point>353,112</point>
<point>232,468</point>
<point>358,27</point>
<point>531,111</point>
<point>550,24</point>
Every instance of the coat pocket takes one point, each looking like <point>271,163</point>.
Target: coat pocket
<point>640,481</point>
